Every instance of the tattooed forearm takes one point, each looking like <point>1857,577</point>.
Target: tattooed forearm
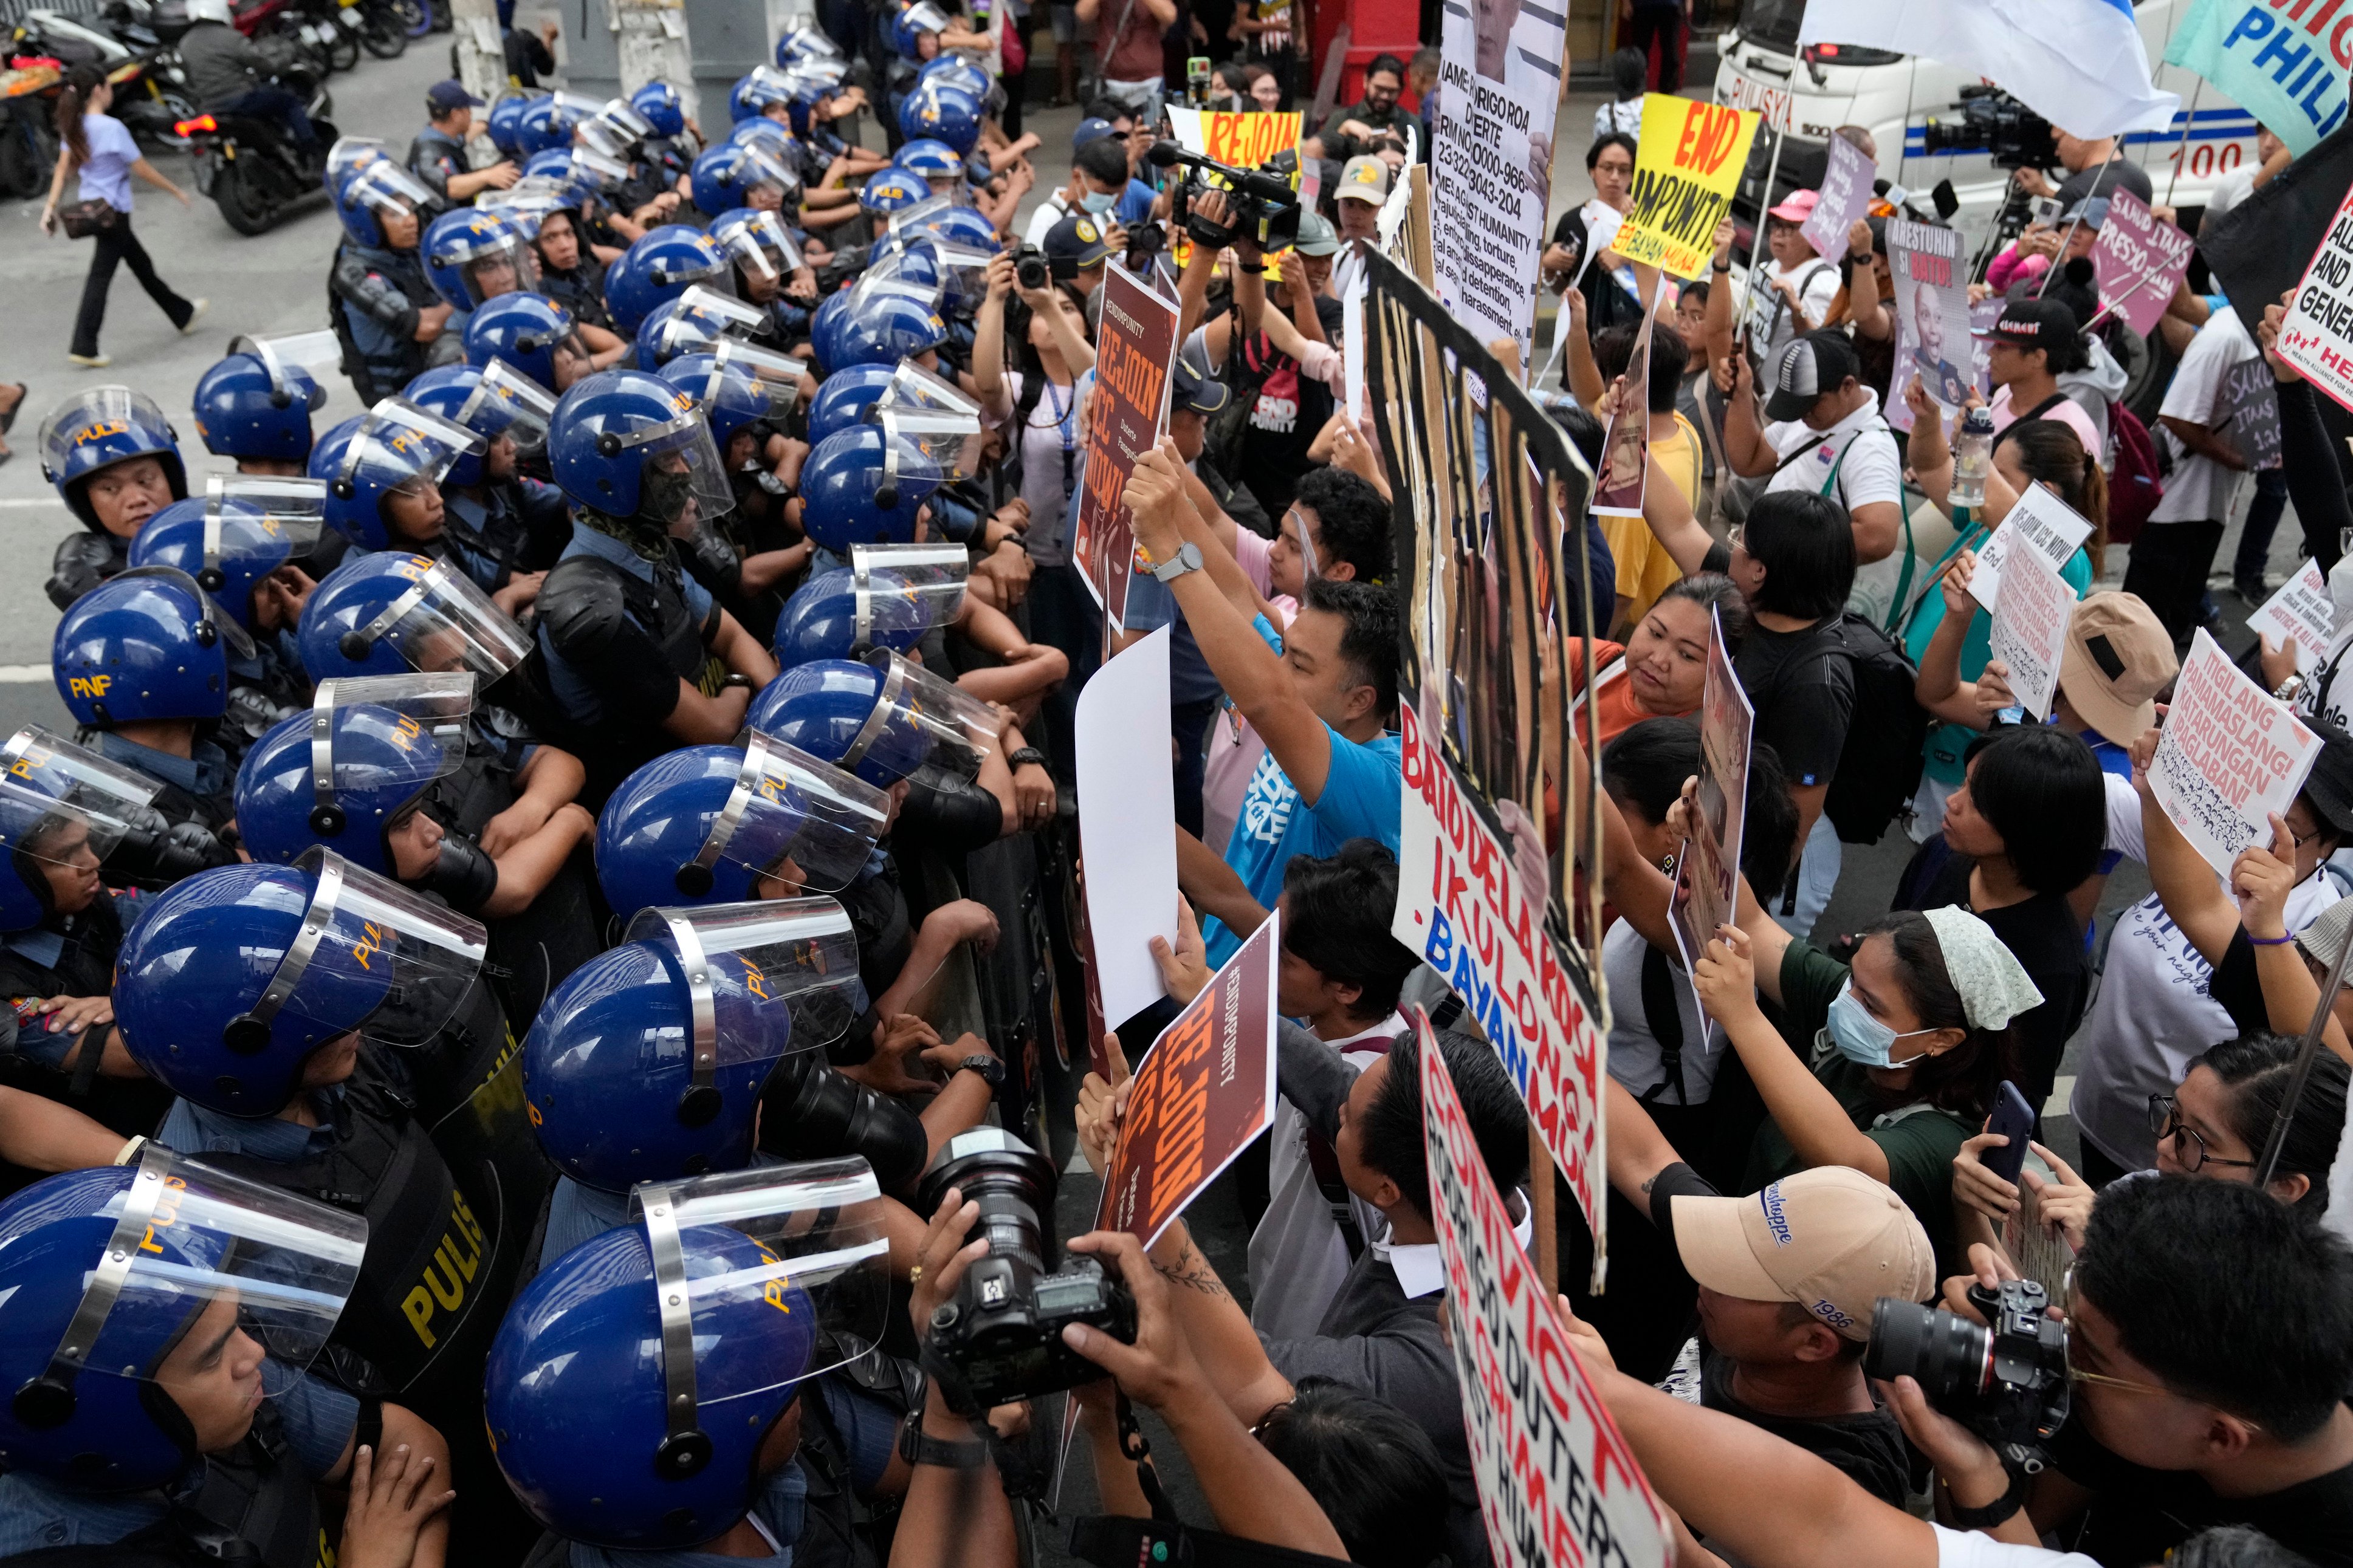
<point>1192,1271</point>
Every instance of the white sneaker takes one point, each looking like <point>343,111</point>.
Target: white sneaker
<point>195,315</point>
<point>90,361</point>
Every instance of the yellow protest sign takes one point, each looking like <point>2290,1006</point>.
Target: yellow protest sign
<point>1690,158</point>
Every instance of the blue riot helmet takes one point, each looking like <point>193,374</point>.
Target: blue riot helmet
<point>108,1274</point>
<point>882,328</point>
<point>527,202</point>
<point>347,157</point>
<point>931,159</point>
<point>660,106</point>
<point>909,27</point>
<point>554,164</point>
<point>549,121</point>
<point>617,131</point>
<point>938,111</point>
<point>629,444</point>
<point>754,91</point>
<point>736,386</point>
<point>145,644</point>
<point>880,718</point>
<point>378,193</point>
<point>843,398</point>
<point>963,226</point>
<point>506,125</point>
<point>97,427</point>
<point>742,173</point>
<point>241,529</point>
<point>634,1382</point>
<point>496,403</point>
<point>886,191</point>
<point>647,1063</point>
<point>44,839</point>
<point>936,416</point>
<point>395,447</point>
<point>759,244</point>
<point>473,255</point>
<point>388,612</point>
<point>665,262</point>
<point>858,486</point>
<point>257,402</point>
<point>345,772</point>
<point>705,825</point>
<point>805,45</point>
<point>531,333</point>
<point>234,976</point>
<point>955,71</point>
<point>888,598</point>
<point>697,321</point>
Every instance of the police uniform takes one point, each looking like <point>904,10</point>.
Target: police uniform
<point>580,287</point>
<point>197,788</point>
<point>512,525</point>
<point>375,296</point>
<point>436,157</point>
<point>70,955</point>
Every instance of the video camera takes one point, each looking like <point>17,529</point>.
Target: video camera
<point>999,1339</point>
<point>2007,1384</point>
<point>1991,119</point>
<point>1260,203</point>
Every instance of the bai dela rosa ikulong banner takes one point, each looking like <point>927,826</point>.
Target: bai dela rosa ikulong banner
<point>1461,906</point>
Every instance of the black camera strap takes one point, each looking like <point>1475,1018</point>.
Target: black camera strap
<point>1138,1449</point>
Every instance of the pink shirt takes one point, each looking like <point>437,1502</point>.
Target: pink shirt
<point>2065,411</point>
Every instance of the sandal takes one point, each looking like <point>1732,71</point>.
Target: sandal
<point>8,420</point>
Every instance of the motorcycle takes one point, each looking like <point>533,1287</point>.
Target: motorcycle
<point>249,168</point>
<point>384,27</point>
<point>29,141</point>
<point>150,91</point>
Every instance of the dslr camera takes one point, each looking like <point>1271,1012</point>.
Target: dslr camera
<point>999,1338</point>
<point>2014,135</point>
<point>1032,268</point>
<point>2006,1383</point>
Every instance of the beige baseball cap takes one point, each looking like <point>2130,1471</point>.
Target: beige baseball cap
<point>1366,178</point>
<point>1830,1239</point>
<point>2118,657</point>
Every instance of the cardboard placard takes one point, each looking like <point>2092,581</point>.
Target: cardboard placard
<point>1690,159</point>
<point>1462,905</point>
<point>1846,196</point>
<point>1558,1488</point>
<point>1707,869</point>
<point>2232,756</point>
<point>1238,141</point>
<point>2030,628</point>
<point>2039,521</point>
<point>1931,317</point>
<point>1127,814</point>
<point>2317,337</point>
<point>1134,348</point>
<point>2301,612</point>
<point>1203,1093</point>
<point>2249,404</point>
<point>1626,446</point>
<point>2138,260</point>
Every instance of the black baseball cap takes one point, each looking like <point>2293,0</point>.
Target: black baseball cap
<point>2329,786</point>
<point>1194,388</point>
<point>2046,324</point>
<point>1812,366</point>
<point>444,96</point>
<point>1078,238</point>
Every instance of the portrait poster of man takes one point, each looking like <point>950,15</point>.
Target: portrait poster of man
<point>1626,450</point>
<point>1490,160</point>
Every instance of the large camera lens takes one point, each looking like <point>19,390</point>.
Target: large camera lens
<point>1950,1357</point>
<point>1013,1185</point>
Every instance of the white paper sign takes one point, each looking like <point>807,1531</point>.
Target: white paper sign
<point>2054,529</point>
<point>1352,350</point>
<point>1127,822</point>
<point>2231,757</point>
<point>2030,628</point>
<point>2301,613</point>
<point>1846,196</point>
<point>1491,164</point>
<point>2317,337</point>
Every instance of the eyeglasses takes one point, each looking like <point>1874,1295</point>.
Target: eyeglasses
<point>1273,1413</point>
<point>2100,1379</point>
<point>2165,1121</point>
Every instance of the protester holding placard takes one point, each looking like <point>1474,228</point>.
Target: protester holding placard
<point>1793,296</point>
<point>1579,255</point>
<point>2174,553</point>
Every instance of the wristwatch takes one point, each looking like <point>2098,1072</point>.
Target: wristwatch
<point>987,1067</point>
<point>1187,559</point>
<point>1024,756</point>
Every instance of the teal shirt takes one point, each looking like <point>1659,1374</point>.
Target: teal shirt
<point>1946,742</point>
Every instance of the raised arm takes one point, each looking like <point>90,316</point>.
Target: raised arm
<point>2194,898</point>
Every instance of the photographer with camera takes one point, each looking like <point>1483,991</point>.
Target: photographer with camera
<point>2095,166</point>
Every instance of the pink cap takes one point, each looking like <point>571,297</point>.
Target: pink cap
<point>1798,207</point>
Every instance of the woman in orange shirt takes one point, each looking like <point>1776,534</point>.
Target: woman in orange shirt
<point>1659,671</point>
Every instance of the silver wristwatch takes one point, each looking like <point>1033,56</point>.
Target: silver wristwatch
<point>1187,559</point>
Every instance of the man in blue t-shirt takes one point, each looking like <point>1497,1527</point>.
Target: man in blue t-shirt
<point>1321,696</point>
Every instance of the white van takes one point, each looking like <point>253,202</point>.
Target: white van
<point>1828,86</point>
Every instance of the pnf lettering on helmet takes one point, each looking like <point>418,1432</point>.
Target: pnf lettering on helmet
<point>89,685</point>
<point>458,1258</point>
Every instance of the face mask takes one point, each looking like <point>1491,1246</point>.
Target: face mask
<point>662,496</point>
<point>1860,1037</point>
<point>1096,202</point>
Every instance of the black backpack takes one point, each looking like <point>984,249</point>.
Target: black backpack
<point>1879,767</point>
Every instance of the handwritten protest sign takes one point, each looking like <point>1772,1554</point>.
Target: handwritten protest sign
<point>2250,409</point>
<point>1708,867</point>
<point>1462,906</point>
<point>2137,260</point>
<point>1690,157</point>
<point>1846,196</point>
<point>1558,1487</point>
<point>2301,613</point>
<point>2030,628</point>
<point>1202,1094</point>
<point>2230,757</point>
<point>1238,141</point>
<point>2039,521</point>
<point>1490,160</point>
<point>1129,411</point>
<point>1931,317</point>
<point>1626,448</point>
<point>2317,337</point>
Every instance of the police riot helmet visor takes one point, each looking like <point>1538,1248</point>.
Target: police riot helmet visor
<point>760,382</point>
<point>401,444</point>
<point>257,517</point>
<point>950,441</point>
<point>444,622</point>
<point>407,962</point>
<point>799,955</point>
<point>382,185</point>
<point>499,261</point>
<point>806,44</point>
<point>93,414</point>
<point>594,171</point>
<point>527,202</point>
<point>920,217</point>
<point>387,732</point>
<point>682,479</point>
<point>936,732</point>
<point>351,154</point>
<point>191,1246</point>
<point>797,819</point>
<point>759,242</point>
<point>885,283</point>
<point>53,766</point>
<point>58,831</point>
<point>510,403</point>
<point>284,354</point>
<point>757,164</point>
<point>932,574</point>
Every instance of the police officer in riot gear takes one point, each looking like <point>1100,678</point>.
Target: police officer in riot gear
<point>115,463</point>
<point>503,528</point>
<point>750,556</point>
<point>638,656</point>
<point>390,321</point>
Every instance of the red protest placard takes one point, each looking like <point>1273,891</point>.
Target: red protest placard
<point>1126,418</point>
<point>2139,261</point>
<point>1558,1488</point>
<point>1203,1092</point>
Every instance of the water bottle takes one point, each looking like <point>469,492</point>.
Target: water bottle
<point>1972,456</point>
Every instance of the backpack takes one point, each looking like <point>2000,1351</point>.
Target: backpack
<point>2136,481</point>
<point>1879,767</point>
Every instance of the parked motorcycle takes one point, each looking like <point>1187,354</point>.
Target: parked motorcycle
<point>28,138</point>
<point>383,29</point>
<point>253,173</point>
<point>150,91</point>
